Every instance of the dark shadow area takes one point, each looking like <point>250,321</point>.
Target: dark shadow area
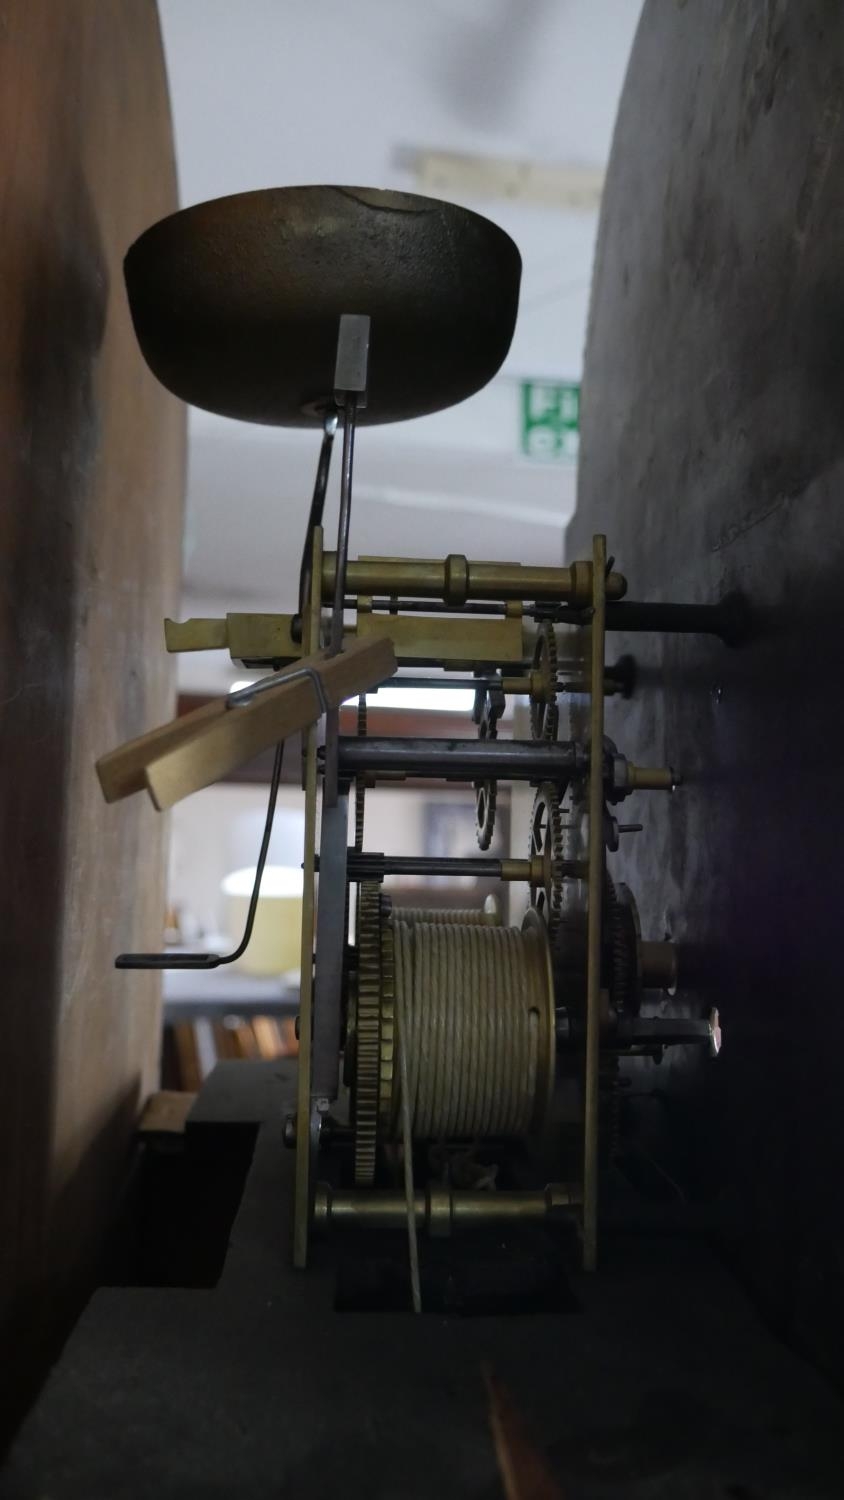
<point>178,1209</point>
<point>654,1378</point>
<point>712,456</point>
<point>488,1275</point>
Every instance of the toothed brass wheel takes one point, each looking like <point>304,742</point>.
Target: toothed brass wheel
<point>489,706</point>
<point>544,713</point>
<point>546,843</point>
<point>367,1033</point>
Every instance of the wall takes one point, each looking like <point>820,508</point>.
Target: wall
<point>90,531</point>
<point>351,97</point>
<point>713,454</point>
<point>219,829</point>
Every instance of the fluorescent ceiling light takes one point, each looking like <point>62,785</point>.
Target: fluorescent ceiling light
<point>422,700</point>
<point>413,699</point>
<point>564,185</point>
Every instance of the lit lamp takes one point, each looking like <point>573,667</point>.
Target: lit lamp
<point>275,947</point>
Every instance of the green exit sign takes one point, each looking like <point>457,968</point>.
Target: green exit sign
<point>550,418</point>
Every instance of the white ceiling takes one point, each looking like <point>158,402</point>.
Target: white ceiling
<point>272,92</point>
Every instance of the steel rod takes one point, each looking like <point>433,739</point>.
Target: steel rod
<point>317,507</point>
<point>341,557</point>
<point>510,683</point>
<point>306,1144</point>
<point>668,1031</point>
<point>729,620</point>
<point>419,683</point>
<point>637,1031</point>
<point>372,865</point>
<point>331,938</point>
<point>363,866</point>
<point>332,718</point>
<point>461,760</point>
<point>429,607</point>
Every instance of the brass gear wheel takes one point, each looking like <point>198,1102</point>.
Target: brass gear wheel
<point>544,713</point>
<point>625,936</point>
<point>546,843</point>
<point>387,1044</point>
<point>489,706</point>
<point>486,807</point>
<point>620,960</point>
<point>367,1033</point>
<point>569,944</point>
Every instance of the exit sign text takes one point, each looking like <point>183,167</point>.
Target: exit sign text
<point>550,418</point>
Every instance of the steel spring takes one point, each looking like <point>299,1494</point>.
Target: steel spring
<point>476,1008</point>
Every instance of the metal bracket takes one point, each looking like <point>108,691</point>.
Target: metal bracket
<point>246,695</point>
<point>351,368</point>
